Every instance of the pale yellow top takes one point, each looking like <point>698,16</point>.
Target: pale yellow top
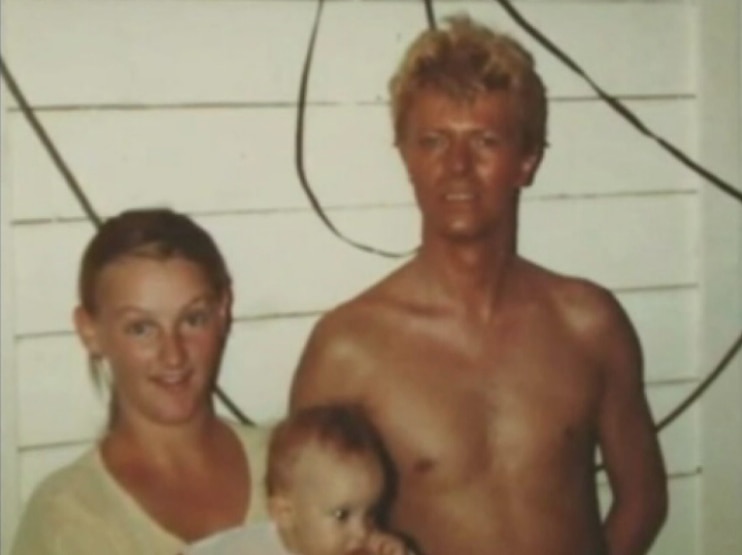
<point>258,538</point>
<point>82,510</point>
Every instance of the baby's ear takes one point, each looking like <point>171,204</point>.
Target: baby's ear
<point>281,510</point>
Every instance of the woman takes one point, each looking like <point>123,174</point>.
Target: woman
<point>154,313</point>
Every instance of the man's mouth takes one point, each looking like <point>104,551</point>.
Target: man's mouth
<point>459,197</point>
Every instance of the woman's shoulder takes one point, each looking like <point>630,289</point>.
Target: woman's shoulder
<point>65,500</point>
<point>70,484</point>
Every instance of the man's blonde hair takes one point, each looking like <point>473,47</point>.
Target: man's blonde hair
<point>464,60</point>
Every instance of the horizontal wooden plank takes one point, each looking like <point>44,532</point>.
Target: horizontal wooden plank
<point>667,323</point>
<point>681,533</point>
<point>185,51</point>
<point>156,52</point>
<point>259,364</point>
<point>620,242</point>
<point>202,160</point>
<point>53,379</point>
<point>680,439</point>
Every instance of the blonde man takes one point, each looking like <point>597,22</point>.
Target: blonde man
<point>492,380</point>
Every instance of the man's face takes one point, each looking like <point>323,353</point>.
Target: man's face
<point>466,161</point>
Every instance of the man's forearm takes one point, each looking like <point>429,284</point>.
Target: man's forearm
<point>631,529</point>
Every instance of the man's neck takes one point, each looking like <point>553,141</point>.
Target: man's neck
<point>470,276</point>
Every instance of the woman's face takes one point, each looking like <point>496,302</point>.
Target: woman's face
<point>160,327</point>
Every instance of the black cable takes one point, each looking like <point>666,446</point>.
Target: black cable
<point>299,149</point>
<point>703,386</point>
<point>48,145</point>
<point>699,390</point>
<point>78,193</point>
<point>232,407</point>
<point>430,14</point>
<point>674,151</point>
<point>617,105</point>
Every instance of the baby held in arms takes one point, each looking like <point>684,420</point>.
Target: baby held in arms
<point>328,480</point>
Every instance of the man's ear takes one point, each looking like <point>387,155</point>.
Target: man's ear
<point>529,167</point>
<point>281,510</point>
<point>87,331</point>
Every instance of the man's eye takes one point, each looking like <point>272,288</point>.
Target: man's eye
<point>489,141</point>
<point>341,515</point>
<point>431,141</point>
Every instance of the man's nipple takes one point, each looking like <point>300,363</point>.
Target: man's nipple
<point>423,466</point>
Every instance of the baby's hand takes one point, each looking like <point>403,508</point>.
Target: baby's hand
<point>379,543</point>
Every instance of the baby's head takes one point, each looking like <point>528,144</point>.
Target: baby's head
<point>326,479</point>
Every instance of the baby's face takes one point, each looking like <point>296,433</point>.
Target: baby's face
<point>333,502</point>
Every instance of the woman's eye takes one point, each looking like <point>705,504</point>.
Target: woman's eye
<point>138,328</point>
<point>197,318</point>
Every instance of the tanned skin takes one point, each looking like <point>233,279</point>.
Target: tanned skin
<point>492,380</point>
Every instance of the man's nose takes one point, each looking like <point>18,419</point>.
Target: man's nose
<point>460,157</point>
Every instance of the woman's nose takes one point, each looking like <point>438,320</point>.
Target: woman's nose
<point>172,349</point>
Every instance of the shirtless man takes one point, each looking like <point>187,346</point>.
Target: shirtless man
<point>491,379</point>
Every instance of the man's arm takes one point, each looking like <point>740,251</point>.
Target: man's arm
<point>628,442</point>
<point>326,373</point>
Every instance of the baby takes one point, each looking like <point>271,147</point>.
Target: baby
<point>326,482</point>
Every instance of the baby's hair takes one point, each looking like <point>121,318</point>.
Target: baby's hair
<point>341,429</point>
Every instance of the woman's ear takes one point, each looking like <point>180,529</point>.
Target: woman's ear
<point>87,331</point>
<point>225,309</point>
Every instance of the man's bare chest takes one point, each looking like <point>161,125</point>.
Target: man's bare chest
<point>456,409</point>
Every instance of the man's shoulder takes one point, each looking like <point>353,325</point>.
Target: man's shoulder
<point>340,355</point>
<point>363,317</point>
<point>585,306</point>
<point>348,326</point>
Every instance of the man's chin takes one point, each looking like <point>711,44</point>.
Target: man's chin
<point>466,234</point>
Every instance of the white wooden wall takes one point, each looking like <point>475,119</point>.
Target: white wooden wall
<point>720,140</point>
<point>191,104</point>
